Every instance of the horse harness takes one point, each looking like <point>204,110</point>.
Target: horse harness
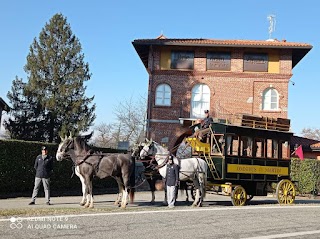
<point>85,157</point>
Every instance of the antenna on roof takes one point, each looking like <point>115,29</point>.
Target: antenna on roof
<point>272,27</point>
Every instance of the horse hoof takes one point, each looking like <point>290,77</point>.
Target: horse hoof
<point>91,206</point>
<point>82,204</point>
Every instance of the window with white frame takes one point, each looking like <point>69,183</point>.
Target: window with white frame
<point>200,100</point>
<point>270,99</point>
<point>163,95</point>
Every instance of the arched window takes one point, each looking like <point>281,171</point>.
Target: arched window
<point>270,99</point>
<point>200,100</point>
<point>163,95</point>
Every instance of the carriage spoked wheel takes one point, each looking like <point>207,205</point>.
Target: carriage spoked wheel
<point>285,192</point>
<point>238,196</point>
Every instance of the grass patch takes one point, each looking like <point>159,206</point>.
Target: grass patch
<point>66,211</point>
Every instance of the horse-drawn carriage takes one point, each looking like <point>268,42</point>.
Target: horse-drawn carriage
<point>241,160</point>
<point>250,157</point>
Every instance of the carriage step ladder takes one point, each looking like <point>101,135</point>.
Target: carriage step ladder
<point>204,148</point>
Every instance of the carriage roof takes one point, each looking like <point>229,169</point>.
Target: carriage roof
<point>254,126</point>
<point>222,128</point>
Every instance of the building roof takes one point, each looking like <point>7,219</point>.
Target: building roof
<point>315,147</point>
<point>4,105</point>
<point>142,46</point>
<point>308,145</point>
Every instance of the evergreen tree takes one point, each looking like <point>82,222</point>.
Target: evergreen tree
<point>56,76</point>
<point>27,122</point>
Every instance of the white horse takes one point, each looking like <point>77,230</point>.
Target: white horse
<point>194,169</point>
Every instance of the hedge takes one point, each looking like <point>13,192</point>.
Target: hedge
<point>307,175</point>
<point>17,172</point>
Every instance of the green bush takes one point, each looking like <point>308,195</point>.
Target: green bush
<point>17,172</point>
<point>306,173</point>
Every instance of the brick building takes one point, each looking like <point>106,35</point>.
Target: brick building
<point>227,77</point>
<point>3,107</point>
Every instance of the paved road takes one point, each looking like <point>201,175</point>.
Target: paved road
<point>217,219</point>
<point>142,199</point>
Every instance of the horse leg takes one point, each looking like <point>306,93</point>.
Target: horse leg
<point>202,182</point>
<point>187,194</point>
<point>184,186</point>
<point>153,197</point>
<point>91,196</point>
<point>88,183</point>
<point>197,186</point>
<point>125,190</point>
<point>186,190</point>
<point>119,197</point>
<point>77,172</point>
<point>125,197</point>
<point>152,185</point>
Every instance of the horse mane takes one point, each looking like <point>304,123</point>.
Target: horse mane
<point>159,146</point>
<point>82,143</point>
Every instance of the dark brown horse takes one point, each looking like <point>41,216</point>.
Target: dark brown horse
<point>90,164</point>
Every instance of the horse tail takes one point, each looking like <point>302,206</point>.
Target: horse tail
<point>132,179</point>
<point>205,180</point>
<point>203,176</point>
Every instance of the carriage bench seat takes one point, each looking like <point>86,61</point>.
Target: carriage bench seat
<point>198,146</point>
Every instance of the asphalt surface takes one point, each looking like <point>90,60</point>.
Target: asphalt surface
<point>142,199</point>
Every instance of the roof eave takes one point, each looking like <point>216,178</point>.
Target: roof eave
<point>4,105</point>
<point>142,48</point>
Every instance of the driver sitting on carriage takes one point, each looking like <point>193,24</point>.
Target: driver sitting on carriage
<point>201,125</point>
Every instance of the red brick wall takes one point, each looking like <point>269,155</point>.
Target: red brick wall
<point>231,92</point>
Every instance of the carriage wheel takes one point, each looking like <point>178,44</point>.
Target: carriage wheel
<point>238,196</point>
<point>286,192</point>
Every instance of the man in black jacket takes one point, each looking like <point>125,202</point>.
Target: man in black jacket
<point>171,181</point>
<point>207,120</point>
<point>44,167</point>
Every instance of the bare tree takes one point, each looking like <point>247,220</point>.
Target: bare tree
<point>311,133</point>
<point>129,125</point>
<point>131,119</point>
<point>104,135</point>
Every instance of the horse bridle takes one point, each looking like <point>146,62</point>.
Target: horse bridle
<point>153,157</point>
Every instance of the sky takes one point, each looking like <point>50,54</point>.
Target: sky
<point>106,30</point>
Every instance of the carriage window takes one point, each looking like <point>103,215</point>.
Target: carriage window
<point>272,148</point>
<point>284,150</point>
<point>232,144</point>
<point>163,95</point>
<point>217,144</point>
<point>246,146</point>
<point>258,148</point>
